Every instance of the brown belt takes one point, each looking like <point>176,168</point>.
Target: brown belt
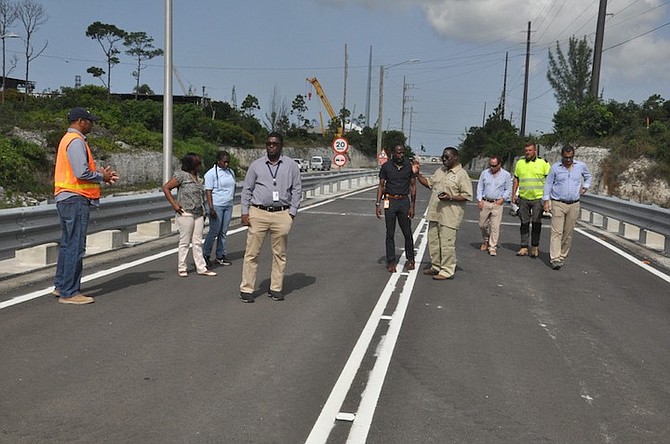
<point>396,196</point>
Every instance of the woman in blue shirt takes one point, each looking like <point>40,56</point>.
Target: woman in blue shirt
<point>219,192</point>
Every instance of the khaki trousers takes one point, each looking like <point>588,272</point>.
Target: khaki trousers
<point>190,232</point>
<point>563,220</point>
<point>490,217</point>
<point>278,224</point>
<point>442,248</point>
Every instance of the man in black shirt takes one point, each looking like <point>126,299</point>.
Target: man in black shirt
<point>396,194</point>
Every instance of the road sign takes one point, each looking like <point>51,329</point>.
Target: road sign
<point>340,160</point>
<point>340,145</point>
<point>382,158</point>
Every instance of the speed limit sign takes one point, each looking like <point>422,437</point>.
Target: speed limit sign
<point>340,160</point>
<point>340,145</point>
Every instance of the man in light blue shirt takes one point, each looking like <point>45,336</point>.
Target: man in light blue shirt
<point>566,182</point>
<point>493,189</point>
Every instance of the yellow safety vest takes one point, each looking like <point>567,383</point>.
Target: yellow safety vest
<point>531,176</point>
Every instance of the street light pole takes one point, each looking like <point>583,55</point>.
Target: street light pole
<point>4,72</point>
<point>382,70</point>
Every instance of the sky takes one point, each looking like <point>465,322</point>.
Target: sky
<point>449,53</point>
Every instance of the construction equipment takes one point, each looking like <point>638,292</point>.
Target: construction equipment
<point>329,108</point>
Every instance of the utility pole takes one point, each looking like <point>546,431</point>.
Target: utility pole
<point>504,91</point>
<point>233,97</point>
<point>404,99</point>
<point>411,118</point>
<point>598,49</point>
<point>525,86</point>
<point>344,98</point>
<point>167,95</point>
<point>381,107</point>
<point>367,97</point>
<point>484,116</point>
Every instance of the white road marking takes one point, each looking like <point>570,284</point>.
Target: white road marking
<point>625,255</point>
<point>102,273</point>
<point>361,425</point>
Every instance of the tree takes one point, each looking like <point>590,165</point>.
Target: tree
<point>299,107</point>
<point>571,78</point>
<point>277,116</point>
<point>144,90</point>
<point>7,18</point>
<point>32,16</point>
<point>97,72</point>
<point>249,104</point>
<point>140,46</point>
<point>107,37</point>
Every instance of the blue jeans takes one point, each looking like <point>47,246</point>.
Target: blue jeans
<point>217,230</point>
<point>73,214</point>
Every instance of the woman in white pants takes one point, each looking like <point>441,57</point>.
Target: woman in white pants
<point>190,212</point>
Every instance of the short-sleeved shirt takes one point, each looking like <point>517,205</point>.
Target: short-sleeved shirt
<point>397,179</point>
<point>189,192</point>
<point>531,175</point>
<point>454,181</point>
<point>221,181</point>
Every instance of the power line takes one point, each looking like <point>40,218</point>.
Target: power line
<point>637,36</point>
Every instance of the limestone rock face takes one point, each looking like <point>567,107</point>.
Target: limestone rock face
<point>635,184</point>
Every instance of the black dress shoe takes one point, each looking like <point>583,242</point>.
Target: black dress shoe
<point>247,297</point>
<point>276,295</point>
<point>411,265</point>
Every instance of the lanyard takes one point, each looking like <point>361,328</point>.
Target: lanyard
<point>274,175</point>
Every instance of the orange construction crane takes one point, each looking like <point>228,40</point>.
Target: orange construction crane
<point>326,103</point>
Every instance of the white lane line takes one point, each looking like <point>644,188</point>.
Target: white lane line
<point>625,255</point>
<point>102,273</point>
<point>326,420</point>
<point>366,409</point>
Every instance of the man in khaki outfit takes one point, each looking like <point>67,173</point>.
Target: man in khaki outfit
<point>451,189</point>
<point>270,200</point>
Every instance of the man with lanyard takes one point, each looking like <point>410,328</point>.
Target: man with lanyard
<point>529,176</point>
<point>396,194</point>
<point>270,200</point>
<point>77,188</point>
<point>493,189</point>
<point>219,191</point>
<point>451,189</point>
<point>566,182</point>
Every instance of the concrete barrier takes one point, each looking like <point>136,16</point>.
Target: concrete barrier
<point>39,255</point>
<point>106,240</point>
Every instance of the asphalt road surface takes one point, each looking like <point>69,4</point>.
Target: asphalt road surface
<point>508,351</point>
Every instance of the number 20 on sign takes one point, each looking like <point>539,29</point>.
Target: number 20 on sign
<point>340,145</point>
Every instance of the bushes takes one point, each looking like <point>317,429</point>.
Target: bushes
<point>23,166</point>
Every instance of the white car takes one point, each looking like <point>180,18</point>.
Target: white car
<point>303,164</point>
<point>321,163</point>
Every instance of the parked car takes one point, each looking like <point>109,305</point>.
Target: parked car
<point>321,163</point>
<point>303,164</point>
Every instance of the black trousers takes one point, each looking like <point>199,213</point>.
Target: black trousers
<point>530,210</point>
<point>398,210</point>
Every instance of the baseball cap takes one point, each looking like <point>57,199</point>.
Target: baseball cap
<point>80,113</point>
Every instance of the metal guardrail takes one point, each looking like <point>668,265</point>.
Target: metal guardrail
<point>30,226</point>
<point>617,215</point>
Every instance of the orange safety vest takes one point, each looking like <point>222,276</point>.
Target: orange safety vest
<point>64,178</point>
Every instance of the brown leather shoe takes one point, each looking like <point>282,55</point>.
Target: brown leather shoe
<point>440,277</point>
<point>523,251</point>
<point>534,251</point>
<point>391,268</point>
<point>77,299</point>
<point>484,246</point>
<point>429,272</point>
<point>411,265</point>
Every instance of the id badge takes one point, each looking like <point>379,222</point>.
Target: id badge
<point>387,204</point>
<point>275,196</point>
